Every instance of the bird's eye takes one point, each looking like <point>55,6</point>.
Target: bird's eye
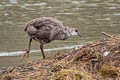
<point>76,30</point>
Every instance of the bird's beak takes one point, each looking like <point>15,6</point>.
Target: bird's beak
<point>79,34</point>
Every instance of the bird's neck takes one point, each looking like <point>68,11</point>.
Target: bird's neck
<point>63,34</point>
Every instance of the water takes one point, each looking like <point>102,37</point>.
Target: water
<point>35,51</point>
<point>90,17</point>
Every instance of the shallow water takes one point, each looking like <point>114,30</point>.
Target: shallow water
<point>90,17</point>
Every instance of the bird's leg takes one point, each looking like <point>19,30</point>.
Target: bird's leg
<point>28,50</point>
<point>41,47</point>
<point>26,54</point>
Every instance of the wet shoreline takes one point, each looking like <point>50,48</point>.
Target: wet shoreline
<point>34,51</point>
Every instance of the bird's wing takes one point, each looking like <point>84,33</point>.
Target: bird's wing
<point>44,33</point>
<point>31,30</point>
<point>44,27</point>
<point>39,23</point>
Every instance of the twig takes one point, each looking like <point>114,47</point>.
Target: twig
<point>110,36</point>
<point>99,43</point>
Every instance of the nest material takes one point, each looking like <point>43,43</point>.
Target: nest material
<point>87,63</point>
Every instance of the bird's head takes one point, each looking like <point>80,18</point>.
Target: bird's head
<point>74,32</point>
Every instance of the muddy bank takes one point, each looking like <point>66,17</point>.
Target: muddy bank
<point>99,60</point>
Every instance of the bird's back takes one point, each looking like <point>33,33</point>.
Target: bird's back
<point>44,28</point>
<point>44,22</point>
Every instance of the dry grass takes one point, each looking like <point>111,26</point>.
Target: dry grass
<point>86,63</point>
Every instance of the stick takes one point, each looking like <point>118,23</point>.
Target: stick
<point>108,35</point>
<point>93,45</point>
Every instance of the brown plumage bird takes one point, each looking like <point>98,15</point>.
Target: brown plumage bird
<point>46,29</point>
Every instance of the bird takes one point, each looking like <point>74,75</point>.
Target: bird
<point>45,30</point>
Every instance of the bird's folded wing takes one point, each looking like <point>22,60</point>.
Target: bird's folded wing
<point>31,30</point>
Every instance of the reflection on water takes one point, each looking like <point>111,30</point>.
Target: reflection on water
<point>89,16</point>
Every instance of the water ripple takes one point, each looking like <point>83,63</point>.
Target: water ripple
<point>46,50</point>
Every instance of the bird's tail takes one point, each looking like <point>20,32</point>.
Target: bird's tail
<point>25,28</point>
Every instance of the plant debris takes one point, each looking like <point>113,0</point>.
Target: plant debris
<point>99,60</point>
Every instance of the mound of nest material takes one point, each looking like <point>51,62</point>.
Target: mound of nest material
<point>99,60</point>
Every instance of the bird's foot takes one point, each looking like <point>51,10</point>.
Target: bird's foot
<point>26,54</point>
<point>29,61</point>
